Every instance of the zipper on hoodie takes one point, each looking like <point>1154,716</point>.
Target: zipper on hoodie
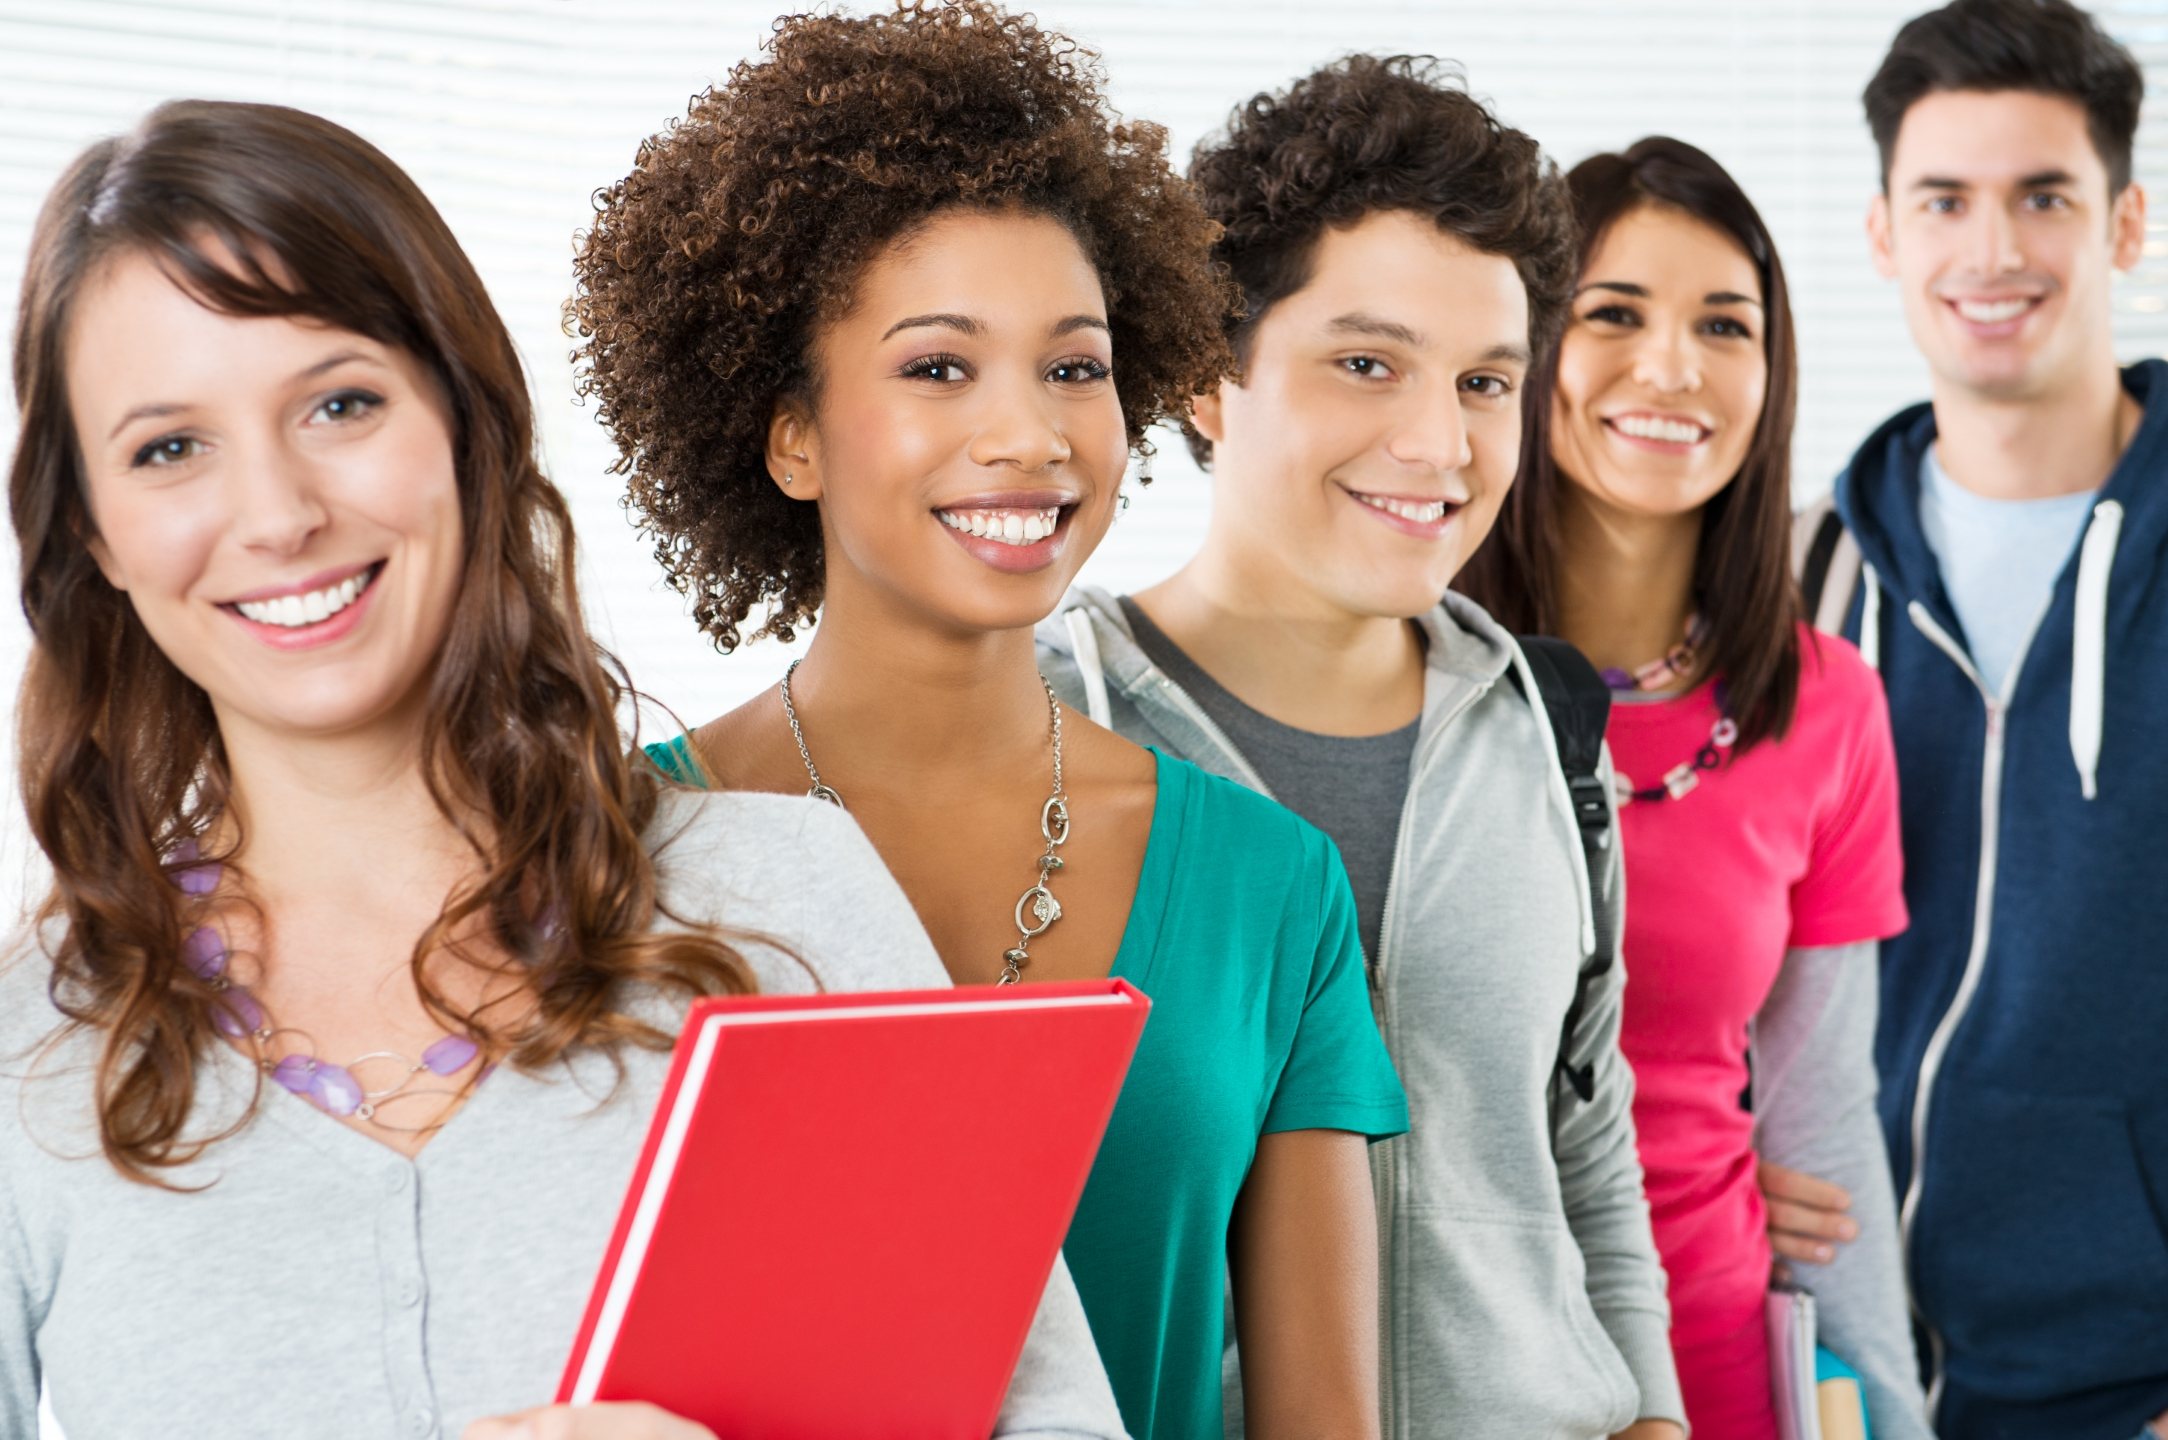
<point>1384,1171</point>
<point>1983,915</point>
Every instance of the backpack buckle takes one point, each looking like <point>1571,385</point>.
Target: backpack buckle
<point>1591,808</point>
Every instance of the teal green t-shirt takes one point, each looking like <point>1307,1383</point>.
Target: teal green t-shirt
<point>1243,934</point>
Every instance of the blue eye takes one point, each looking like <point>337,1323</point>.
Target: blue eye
<point>167,450</point>
<point>1944,205</point>
<point>2046,200</point>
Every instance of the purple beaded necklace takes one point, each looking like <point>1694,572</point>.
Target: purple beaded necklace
<point>333,1088</point>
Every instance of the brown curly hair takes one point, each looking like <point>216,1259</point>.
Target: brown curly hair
<point>1367,134</point>
<point>748,223</point>
<point>122,766</point>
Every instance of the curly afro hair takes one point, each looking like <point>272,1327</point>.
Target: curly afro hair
<point>746,224</point>
<point>1367,134</point>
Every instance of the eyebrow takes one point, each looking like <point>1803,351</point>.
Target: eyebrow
<point>2038,180</point>
<point>1641,292</point>
<point>1357,323</point>
<point>946,320</point>
<point>161,410</point>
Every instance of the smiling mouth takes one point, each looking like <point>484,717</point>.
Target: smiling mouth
<point>1663,429</point>
<point>1993,312</point>
<point>1005,525</point>
<point>297,612</point>
<point>1421,512</point>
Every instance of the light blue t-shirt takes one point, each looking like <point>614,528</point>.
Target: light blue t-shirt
<point>1999,561</point>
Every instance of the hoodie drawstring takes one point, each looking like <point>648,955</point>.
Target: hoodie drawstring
<point>1089,666</point>
<point>1870,619</point>
<point>2089,642</point>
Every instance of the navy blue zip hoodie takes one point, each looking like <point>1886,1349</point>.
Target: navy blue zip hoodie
<point>2024,1036</point>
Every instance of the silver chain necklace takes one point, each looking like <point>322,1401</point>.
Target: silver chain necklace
<point>1036,908</point>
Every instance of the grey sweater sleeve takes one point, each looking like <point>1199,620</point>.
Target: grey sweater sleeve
<point>1814,1106</point>
<point>18,1346</point>
<point>1599,1174</point>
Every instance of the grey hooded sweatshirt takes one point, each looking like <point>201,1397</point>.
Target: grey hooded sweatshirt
<point>1521,1293</point>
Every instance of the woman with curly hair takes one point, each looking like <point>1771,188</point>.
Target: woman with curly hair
<point>876,327</point>
<point>335,1046</point>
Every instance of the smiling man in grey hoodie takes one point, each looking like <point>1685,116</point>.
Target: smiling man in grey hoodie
<point>1404,258</point>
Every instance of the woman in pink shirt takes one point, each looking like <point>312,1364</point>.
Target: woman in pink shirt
<point>1757,787</point>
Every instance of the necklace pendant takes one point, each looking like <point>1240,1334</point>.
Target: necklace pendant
<point>1039,904</point>
<point>1012,966</point>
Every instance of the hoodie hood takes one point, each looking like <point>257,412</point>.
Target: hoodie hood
<point>1090,653</point>
<point>1878,497</point>
<point>1464,647</point>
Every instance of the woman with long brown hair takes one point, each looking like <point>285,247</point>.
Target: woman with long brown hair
<point>1650,526</point>
<point>334,1045</point>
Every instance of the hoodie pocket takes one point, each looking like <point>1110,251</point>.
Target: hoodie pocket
<point>2039,1253</point>
<point>1494,1333</point>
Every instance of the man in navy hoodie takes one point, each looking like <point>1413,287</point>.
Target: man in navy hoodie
<point>2015,596</point>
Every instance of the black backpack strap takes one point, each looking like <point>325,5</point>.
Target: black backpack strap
<point>1828,563</point>
<point>1579,706</point>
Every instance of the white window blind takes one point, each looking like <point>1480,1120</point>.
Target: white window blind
<point>511,112</point>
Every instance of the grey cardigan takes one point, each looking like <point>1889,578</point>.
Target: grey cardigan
<point>324,1285</point>
<point>1522,1294</point>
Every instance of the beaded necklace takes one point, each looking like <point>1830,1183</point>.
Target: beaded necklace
<point>333,1088</point>
<point>1681,779</point>
<point>1667,669</point>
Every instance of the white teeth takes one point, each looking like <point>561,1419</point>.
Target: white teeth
<point>1649,427</point>
<point>294,611</point>
<point>1992,312</point>
<point>1010,527</point>
<point>1422,512</point>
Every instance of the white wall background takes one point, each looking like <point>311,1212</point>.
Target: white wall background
<point>510,112</point>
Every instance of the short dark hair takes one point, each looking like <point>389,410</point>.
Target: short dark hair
<point>2048,47</point>
<point>1369,134</point>
<point>1742,571</point>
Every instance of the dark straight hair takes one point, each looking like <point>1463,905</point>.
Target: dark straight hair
<point>2046,47</point>
<point>1743,584</point>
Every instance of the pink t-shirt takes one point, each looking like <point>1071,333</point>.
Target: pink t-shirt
<point>1792,844</point>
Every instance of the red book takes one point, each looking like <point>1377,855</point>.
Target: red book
<point>848,1206</point>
